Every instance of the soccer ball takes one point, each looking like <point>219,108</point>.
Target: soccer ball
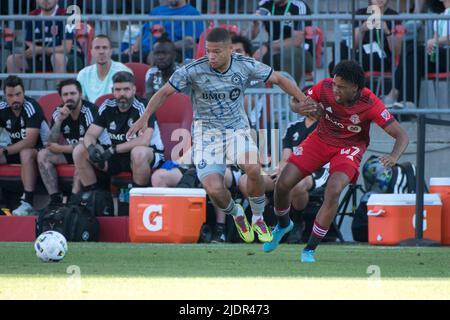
<point>50,246</point>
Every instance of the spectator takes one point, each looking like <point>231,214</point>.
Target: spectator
<point>140,154</point>
<point>96,80</point>
<point>287,35</point>
<point>438,60</point>
<point>72,119</point>
<point>374,45</point>
<point>151,31</point>
<point>164,54</point>
<point>46,48</point>
<point>24,120</point>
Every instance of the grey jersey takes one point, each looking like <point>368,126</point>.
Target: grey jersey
<point>218,98</point>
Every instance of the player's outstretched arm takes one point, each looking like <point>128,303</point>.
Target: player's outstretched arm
<point>396,131</point>
<point>155,102</point>
<point>306,106</point>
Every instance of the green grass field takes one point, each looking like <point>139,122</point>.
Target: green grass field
<point>230,271</point>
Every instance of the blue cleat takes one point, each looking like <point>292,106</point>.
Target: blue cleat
<point>308,256</point>
<point>277,234</point>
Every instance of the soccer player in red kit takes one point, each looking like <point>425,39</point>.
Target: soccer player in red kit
<point>345,111</point>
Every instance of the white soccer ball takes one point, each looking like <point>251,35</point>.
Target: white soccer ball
<point>50,246</point>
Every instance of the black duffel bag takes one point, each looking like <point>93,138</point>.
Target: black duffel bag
<point>75,222</point>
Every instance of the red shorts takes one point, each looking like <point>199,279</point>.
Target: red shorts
<point>313,153</point>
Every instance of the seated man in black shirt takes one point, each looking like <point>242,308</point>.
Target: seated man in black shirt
<point>140,154</point>
<point>72,119</point>
<point>24,120</point>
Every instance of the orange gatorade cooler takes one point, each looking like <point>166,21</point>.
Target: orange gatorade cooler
<point>392,218</point>
<point>442,186</point>
<point>166,214</point>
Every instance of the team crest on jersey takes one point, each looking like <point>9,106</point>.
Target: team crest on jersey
<point>298,151</point>
<point>130,122</point>
<point>287,22</point>
<point>310,92</point>
<point>236,79</point>
<point>8,124</point>
<point>66,130</point>
<point>295,137</point>
<point>386,115</point>
<point>54,30</point>
<point>355,119</point>
<point>234,94</point>
<point>202,164</point>
<point>112,126</point>
<point>82,130</point>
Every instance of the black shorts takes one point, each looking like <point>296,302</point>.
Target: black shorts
<point>39,64</point>
<point>69,158</point>
<point>119,162</point>
<point>13,159</point>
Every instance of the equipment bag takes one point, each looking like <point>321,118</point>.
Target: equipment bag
<point>74,222</point>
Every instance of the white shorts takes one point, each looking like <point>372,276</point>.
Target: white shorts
<point>214,150</point>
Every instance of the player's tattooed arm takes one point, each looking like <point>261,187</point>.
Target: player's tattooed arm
<point>54,133</point>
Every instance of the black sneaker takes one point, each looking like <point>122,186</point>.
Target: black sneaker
<point>219,234</point>
<point>295,236</point>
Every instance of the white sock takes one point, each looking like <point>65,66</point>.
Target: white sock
<point>257,204</point>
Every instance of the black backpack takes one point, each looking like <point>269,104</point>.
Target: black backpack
<point>97,202</point>
<point>75,222</point>
<point>403,178</point>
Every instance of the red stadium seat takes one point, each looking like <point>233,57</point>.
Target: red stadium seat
<point>103,98</point>
<point>48,104</point>
<point>175,113</point>
<point>139,70</point>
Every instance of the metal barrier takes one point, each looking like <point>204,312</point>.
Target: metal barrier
<point>14,7</point>
<point>336,31</point>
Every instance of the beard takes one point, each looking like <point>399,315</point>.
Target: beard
<point>124,103</point>
<point>72,105</point>
<point>16,106</point>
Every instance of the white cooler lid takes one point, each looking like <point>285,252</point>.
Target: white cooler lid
<point>394,199</point>
<point>174,192</point>
<point>439,181</point>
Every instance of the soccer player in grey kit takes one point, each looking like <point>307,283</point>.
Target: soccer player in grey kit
<point>221,131</point>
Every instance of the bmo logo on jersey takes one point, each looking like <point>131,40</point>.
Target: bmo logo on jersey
<point>19,135</point>
<point>152,218</point>
<point>213,96</point>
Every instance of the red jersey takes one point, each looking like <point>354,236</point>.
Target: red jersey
<point>342,125</point>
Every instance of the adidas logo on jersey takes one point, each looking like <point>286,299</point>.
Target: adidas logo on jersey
<point>112,126</point>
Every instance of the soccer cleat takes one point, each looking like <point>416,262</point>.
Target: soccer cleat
<point>263,232</point>
<point>25,209</point>
<point>218,235</point>
<point>277,234</point>
<point>307,256</point>
<point>243,227</point>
